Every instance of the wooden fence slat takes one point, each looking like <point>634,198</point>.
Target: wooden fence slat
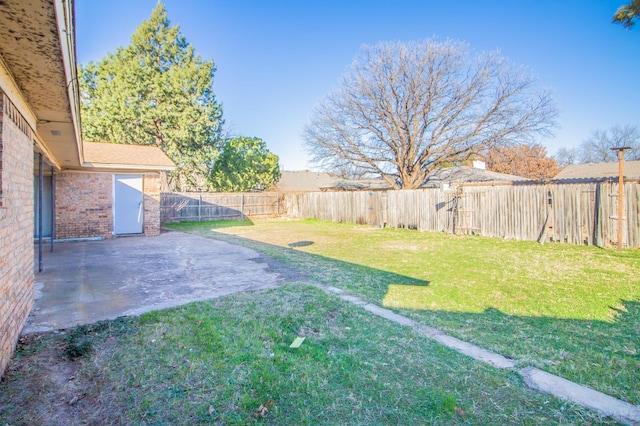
<point>578,213</point>
<point>569,213</point>
<point>216,206</point>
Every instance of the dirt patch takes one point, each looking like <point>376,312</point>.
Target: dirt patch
<point>42,373</point>
<point>55,376</point>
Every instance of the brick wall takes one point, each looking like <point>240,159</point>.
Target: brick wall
<point>84,204</point>
<point>151,189</point>
<point>16,231</point>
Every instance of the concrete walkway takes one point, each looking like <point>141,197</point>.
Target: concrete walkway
<point>534,378</point>
<point>84,282</point>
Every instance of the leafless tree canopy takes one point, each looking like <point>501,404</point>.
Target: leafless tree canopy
<point>404,109</point>
<point>566,156</point>
<point>597,147</point>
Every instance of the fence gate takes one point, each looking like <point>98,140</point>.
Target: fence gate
<point>464,213</point>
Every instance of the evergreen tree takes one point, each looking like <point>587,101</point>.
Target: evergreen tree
<point>156,91</point>
<point>627,14</point>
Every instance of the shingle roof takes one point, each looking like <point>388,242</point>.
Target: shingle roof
<point>305,180</point>
<point>464,174</point>
<point>449,175</point>
<point>358,185</point>
<point>599,171</point>
<point>112,155</point>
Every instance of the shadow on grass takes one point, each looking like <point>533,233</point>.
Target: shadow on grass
<point>600,354</point>
<point>300,244</point>
<point>346,275</point>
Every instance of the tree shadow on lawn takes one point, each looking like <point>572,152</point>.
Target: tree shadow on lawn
<point>599,354</point>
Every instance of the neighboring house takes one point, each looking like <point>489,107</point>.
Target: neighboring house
<point>358,185</point>
<point>599,172</point>
<point>307,181</point>
<point>445,178</point>
<point>448,176</point>
<point>90,190</point>
<point>304,181</point>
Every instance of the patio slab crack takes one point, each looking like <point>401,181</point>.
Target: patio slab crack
<point>534,378</point>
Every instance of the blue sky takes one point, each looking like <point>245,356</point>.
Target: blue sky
<point>276,59</point>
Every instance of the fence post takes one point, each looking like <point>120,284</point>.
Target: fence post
<point>597,215</point>
<point>242,207</point>
<point>385,208</point>
<point>200,207</point>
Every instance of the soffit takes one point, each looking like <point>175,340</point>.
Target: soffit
<point>31,48</point>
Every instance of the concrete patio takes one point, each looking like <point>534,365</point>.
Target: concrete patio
<point>87,281</point>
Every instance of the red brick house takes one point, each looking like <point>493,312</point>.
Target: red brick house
<point>90,190</point>
<point>117,191</point>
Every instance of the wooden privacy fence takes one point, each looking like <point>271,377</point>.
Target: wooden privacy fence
<point>584,213</point>
<point>198,206</point>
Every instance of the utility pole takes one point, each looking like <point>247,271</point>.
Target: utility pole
<point>620,151</point>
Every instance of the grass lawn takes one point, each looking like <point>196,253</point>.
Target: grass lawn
<point>570,310</point>
<point>228,361</point>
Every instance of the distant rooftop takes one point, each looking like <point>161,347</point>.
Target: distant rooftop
<point>308,181</point>
<point>358,185</point>
<point>465,174</point>
<point>305,181</point>
<point>599,171</point>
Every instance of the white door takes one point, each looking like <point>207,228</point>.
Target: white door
<point>128,212</point>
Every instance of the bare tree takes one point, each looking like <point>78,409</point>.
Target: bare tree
<point>349,171</point>
<point>567,156</point>
<point>597,147</point>
<point>405,109</point>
